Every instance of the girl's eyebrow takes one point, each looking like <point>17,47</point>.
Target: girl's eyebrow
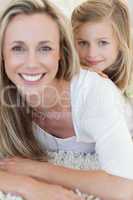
<point>100,38</point>
<point>103,38</point>
<point>81,39</point>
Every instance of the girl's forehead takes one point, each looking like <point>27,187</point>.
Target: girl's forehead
<point>103,27</point>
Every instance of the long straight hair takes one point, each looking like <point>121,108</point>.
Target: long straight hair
<point>16,130</point>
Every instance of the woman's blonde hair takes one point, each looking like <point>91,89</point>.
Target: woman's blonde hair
<point>117,11</point>
<point>16,132</point>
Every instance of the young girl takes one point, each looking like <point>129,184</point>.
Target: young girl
<point>103,40</point>
<point>48,103</point>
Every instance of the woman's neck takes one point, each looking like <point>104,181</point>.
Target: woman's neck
<point>55,97</point>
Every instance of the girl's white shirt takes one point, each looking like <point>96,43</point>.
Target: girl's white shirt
<point>128,111</point>
<point>99,123</point>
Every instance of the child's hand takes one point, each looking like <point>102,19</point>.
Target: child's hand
<point>20,166</point>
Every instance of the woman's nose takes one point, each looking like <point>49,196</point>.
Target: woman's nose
<point>32,60</point>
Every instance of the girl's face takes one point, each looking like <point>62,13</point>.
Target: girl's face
<point>96,44</point>
<point>31,51</point>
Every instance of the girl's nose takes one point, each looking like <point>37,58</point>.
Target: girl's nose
<point>92,52</point>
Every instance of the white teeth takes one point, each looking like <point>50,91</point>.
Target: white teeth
<point>31,77</point>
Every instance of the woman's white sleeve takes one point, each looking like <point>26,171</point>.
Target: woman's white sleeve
<point>105,123</point>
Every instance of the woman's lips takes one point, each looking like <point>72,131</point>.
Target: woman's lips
<point>31,78</point>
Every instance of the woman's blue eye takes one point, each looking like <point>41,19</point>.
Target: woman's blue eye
<point>18,49</point>
<point>45,49</point>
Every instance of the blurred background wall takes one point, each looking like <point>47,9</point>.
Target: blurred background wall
<point>68,5</point>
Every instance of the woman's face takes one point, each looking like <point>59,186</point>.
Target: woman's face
<point>96,44</point>
<point>31,51</point>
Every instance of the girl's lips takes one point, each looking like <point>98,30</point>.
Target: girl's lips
<point>94,62</point>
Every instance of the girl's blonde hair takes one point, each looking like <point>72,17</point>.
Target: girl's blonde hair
<point>117,11</point>
<point>16,132</point>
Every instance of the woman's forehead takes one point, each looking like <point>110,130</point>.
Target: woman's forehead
<point>41,26</point>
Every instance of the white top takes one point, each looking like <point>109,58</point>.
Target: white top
<point>98,118</point>
<point>128,112</point>
<point>52,143</point>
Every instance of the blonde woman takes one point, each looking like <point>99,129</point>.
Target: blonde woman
<point>103,41</point>
<point>49,103</point>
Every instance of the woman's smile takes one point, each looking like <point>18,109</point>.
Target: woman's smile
<point>32,78</point>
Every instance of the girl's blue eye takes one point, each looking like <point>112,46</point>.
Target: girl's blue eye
<point>103,43</point>
<point>83,43</point>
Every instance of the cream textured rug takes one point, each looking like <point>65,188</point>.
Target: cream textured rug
<point>68,159</point>
<point>76,161</point>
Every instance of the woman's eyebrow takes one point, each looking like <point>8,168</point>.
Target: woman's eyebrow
<point>22,42</point>
<point>45,42</point>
